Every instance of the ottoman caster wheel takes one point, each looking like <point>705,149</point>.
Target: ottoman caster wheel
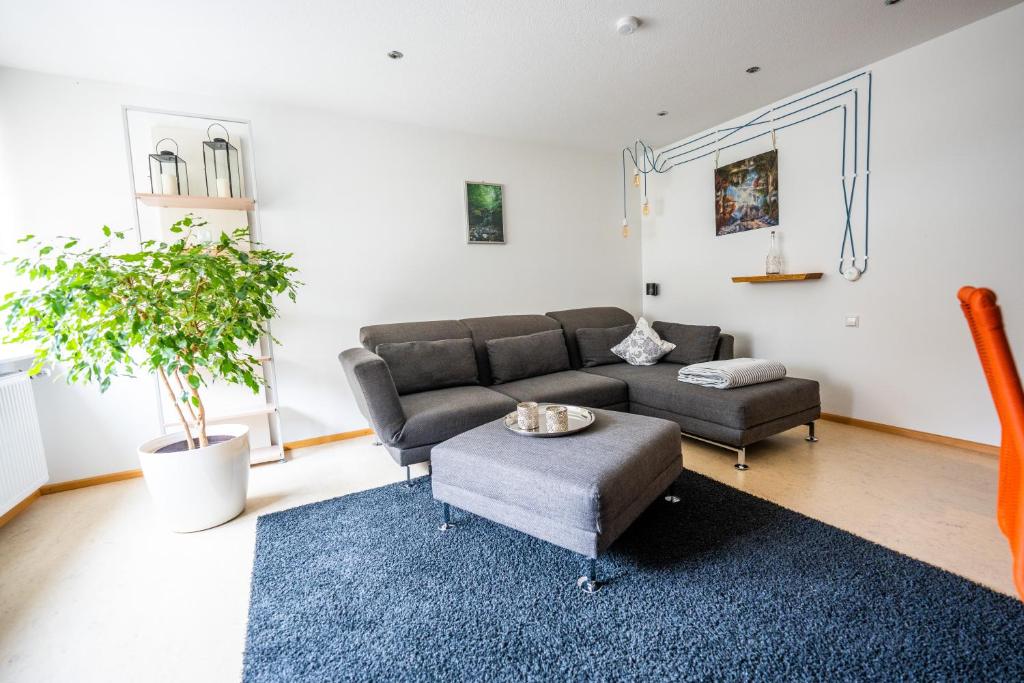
<point>812,439</point>
<point>447,526</point>
<point>589,586</point>
<point>742,467</point>
<point>673,499</point>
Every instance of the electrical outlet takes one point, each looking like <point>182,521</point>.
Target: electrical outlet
<point>853,321</point>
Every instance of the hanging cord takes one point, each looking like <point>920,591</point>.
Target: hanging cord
<point>624,205</point>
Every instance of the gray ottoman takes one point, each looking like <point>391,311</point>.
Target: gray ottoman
<point>580,491</point>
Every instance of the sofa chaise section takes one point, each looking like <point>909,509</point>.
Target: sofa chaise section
<point>734,418</point>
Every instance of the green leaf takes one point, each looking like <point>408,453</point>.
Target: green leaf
<point>106,231</point>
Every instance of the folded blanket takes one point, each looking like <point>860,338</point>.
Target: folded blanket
<point>729,374</point>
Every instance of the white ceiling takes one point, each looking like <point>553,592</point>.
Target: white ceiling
<point>551,70</point>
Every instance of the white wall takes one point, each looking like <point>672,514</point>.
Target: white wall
<point>373,212</point>
<point>945,191</point>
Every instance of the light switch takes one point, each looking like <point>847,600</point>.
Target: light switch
<point>853,321</point>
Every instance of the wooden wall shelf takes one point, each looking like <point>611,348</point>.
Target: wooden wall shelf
<point>187,201</point>
<point>788,277</point>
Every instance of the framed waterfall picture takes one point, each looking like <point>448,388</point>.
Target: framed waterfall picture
<point>747,194</point>
<point>485,212</point>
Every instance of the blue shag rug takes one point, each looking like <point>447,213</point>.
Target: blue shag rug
<point>722,586</point>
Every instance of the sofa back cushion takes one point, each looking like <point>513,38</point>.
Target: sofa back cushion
<point>596,317</point>
<point>372,336</point>
<point>694,343</point>
<point>529,355</point>
<point>595,344</point>
<point>424,365</point>
<point>499,327</point>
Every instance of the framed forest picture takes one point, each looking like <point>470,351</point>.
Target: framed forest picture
<point>485,212</point>
<point>747,194</point>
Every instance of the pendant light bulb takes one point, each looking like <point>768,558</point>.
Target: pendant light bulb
<point>625,229</point>
<point>636,177</point>
<point>646,208</point>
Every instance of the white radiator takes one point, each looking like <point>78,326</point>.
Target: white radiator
<point>22,462</point>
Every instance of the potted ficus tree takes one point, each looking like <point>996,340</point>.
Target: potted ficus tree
<point>190,311</point>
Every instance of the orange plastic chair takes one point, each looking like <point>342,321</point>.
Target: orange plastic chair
<point>986,323</point>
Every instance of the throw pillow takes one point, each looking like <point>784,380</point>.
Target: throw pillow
<point>694,343</point>
<point>643,346</point>
<point>529,355</point>
<point>595,344</point>
<point>425,365</point>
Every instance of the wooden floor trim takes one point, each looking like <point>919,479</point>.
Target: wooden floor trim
<point>20,507</point>
<point>329,438</point>
<point>914,434</point>
<point>47,489</point>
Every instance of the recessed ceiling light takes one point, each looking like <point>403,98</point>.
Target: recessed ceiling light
<point>753,69</point>
<point>662,113</point>
<point>395,54</point>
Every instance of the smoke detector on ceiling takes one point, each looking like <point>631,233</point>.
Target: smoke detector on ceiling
<point>627,25</point>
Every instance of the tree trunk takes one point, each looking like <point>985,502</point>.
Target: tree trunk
<point>203,441</point>
<point>181,416</point>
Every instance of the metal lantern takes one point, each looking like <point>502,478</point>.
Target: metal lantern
<point>220,163</point>
<point>166,169</point>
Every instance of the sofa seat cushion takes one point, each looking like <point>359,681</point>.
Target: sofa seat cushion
<point>433,416</point>
<point>572,386</point>
<point>658,386</point>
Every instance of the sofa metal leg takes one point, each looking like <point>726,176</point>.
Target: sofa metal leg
<point>446,512</point>
<point>670,495</point>
<point>588,583</point>
<point>408,477</point>
<point>741,459</point>
<point>810,433</point>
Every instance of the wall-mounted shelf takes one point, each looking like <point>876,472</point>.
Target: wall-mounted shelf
<point>788,277</point>
<point>187,201</point>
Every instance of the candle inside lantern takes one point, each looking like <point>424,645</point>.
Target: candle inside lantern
<point>223,187</point>
<point>169,183</point>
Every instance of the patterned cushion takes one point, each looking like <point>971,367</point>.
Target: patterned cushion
<point>643,346</point>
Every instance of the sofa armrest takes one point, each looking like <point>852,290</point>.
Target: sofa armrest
<point>724,350</point>
<point>375,392</point>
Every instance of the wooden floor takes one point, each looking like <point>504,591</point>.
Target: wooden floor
<point>91,589</point>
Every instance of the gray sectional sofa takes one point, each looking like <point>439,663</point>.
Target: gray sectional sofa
<point>420,383</point>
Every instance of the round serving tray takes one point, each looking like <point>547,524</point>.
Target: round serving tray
<point>579,419</point>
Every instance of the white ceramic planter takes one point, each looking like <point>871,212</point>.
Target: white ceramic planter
<point>201,488</point>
